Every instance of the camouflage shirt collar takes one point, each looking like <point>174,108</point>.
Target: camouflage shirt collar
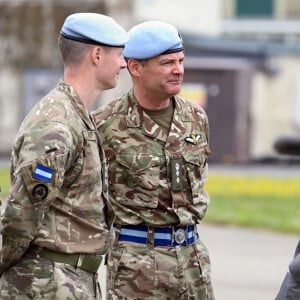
<point>76,102</point>
<point>136,118</point>
<point>134,111</point>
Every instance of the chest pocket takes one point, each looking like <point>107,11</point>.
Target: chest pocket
<point>136,179</point>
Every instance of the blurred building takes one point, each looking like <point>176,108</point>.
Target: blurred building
<point>267,34</point>
<point>30,62</point>
<point>242,62</point>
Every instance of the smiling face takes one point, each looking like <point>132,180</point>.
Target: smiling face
<point>158,78</point>
<point>112,63</point>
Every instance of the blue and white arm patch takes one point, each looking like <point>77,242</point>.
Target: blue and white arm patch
<point>43,173</point>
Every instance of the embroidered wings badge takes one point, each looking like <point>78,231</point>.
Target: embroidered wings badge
<point>193,139</point>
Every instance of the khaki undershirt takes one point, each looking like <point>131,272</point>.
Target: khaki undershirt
<point>162,117</point>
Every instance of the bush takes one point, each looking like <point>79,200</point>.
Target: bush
<point>4,183</point>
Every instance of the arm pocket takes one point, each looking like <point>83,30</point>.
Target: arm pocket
<point>43,178</point>
<point>196,168</point>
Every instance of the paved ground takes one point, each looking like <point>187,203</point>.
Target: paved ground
<point>272,170</point>
<point>247,264</point>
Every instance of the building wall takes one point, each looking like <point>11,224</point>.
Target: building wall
<point>198,16</point>
<point>274,106</point>
<point>9,107</point>
<point>287,9</point>
<point>283,9</point>
<point>228,9</point>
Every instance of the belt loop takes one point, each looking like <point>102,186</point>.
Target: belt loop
<point>79,262</point>
<point>173,234</point>
<point>150,237</point>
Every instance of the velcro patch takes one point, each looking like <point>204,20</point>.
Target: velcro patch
<point>43,173</point>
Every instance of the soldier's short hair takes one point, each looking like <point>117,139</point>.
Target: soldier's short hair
<point>72,51</point>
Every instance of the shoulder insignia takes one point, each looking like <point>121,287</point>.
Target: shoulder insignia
<point>43,173</point>
<point>40,191</point>
<point>193,139</point>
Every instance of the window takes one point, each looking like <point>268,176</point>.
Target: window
<point>254,8</point>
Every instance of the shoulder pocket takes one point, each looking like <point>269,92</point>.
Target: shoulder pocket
<point>40,181</point>
<point>43,177</point>
<point>196,168</point>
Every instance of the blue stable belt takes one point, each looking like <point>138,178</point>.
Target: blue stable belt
<point>167,236</point>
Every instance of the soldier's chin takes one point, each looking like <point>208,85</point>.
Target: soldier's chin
<point>175,90</point>
<point>110,85</point>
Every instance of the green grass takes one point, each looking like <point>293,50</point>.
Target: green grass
<point>257,202</point>
<point>4,182</point>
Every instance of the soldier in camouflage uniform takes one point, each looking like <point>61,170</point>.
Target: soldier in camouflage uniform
<point>57,221</point>
<point>156,144</point>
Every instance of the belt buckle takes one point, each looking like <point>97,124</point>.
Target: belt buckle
<point>179,236</point>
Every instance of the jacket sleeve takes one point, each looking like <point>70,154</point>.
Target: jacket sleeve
<point>290,286</point>
<point>40,158</point>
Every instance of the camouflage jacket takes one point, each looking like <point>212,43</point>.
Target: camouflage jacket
<point>56,198</point>
<point>154,178</point>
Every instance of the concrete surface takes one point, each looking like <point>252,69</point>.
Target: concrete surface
<point>247,264</point>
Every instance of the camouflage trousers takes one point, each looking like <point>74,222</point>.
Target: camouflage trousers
<point>39,278</point>
<point>134,271</point>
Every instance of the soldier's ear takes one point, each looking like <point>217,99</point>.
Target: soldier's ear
<point>134,67</point>
<point>96,54</point>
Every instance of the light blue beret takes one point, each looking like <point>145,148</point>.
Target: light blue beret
<point>93,28</point>
<point>152,38</point>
